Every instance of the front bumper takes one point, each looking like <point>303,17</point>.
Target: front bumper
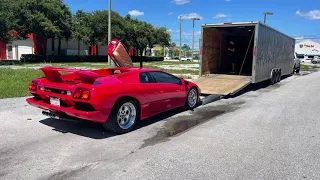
<point>94,116</point>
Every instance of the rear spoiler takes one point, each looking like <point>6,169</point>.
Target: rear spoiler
<point>53,74</point>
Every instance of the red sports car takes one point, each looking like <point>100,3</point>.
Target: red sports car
<point>115,97</point>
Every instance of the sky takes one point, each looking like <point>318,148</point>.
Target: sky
<point>297,18</point>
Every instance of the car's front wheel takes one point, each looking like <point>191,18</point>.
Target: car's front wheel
<point>123,117</point>
<point>192,98</point>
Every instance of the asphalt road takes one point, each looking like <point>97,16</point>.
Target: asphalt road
<point>265,133</point>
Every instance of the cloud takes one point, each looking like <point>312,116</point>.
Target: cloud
<point>170,30</point>
<point>136,13</point>
<point>314,14</point>
<point>298,37</point>
<point>170,13</point>
<point>189,16</point>
<point>180,2</point>
<point>220,15</point>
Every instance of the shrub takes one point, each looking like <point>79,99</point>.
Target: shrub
<point>147,58</point>
<point>32,58</point>
<point>10,62</point>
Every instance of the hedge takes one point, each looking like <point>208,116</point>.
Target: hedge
<point>10,62</point>
<point>32,58</point>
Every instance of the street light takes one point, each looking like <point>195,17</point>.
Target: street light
<point>180,38</point>
<point>193,19</point>
<point>265,15</point>
<point>109,30</point>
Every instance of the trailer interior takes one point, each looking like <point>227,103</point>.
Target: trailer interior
<point>219,77</point>
<point>218,57</point>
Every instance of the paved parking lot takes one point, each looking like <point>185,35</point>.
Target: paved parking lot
<point>267,132</point>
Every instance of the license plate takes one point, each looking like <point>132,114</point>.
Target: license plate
<point>55,101</point>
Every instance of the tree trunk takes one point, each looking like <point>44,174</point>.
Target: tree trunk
<point>59,46</point>
<point>150,51</point>
<point>52,46</point>
<point>78,47</point>
<point>141,52</point>
<point>67,43</point>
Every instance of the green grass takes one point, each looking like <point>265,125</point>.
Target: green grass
<point>15,82</point>
<point>307,67</point>
<point>154,65</point>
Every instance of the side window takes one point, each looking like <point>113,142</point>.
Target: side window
<point>161,77</point>
<point>145,78</point>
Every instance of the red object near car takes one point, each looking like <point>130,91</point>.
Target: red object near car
<point>115,97</point>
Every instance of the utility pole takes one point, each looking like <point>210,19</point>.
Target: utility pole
<point>193,19</point>
<point>109,30</point>
<point>199,50</point>
<point>180,38</point>
<point>164,46</point>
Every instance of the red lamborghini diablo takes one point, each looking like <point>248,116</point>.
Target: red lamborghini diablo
<point>115,97</point>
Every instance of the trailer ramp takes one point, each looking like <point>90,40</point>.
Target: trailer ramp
<point>222,84</point>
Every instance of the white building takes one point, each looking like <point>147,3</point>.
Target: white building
<point>16,48</point>
<point>307,49</point>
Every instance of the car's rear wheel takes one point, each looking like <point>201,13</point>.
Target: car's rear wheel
<point>192,98</point>
<point>123,117</point>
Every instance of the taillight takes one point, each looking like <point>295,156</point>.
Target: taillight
<point>33,85</point>
<point>81,93</point>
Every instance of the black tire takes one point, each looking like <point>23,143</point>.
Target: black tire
<point>193,89</point>
<point>298,70</point>
<point>273,78</point>
<point>112,122</point>
<point>314,62</point>
<point>280,74</point>
<point>276,78</point>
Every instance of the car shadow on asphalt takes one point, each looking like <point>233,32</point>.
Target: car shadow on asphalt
<point>96,131</point>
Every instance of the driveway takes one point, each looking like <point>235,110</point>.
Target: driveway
<point>267,132</point>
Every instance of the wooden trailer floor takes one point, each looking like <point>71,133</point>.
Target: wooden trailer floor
<point>222,84</point>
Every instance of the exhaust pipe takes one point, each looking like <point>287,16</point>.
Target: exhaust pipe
<point>50,114</point>
<point>59,116</point>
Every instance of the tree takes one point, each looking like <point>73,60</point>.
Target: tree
<point>186,47</point>
<point>43,18</point>
<point>82,31</point>
<point>65,25</point>
<point>163,37</point>
<point>173,44</point>
<point>99,25</point>
<point>136,35</point>
<point>8,20</point>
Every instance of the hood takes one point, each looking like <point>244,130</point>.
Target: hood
<point>119,55</point>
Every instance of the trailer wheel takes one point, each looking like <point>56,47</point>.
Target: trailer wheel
<point>273,78</point>
<point>278,75</point>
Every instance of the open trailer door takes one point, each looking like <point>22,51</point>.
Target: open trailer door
<point>222,84</point>
<point>119,55</point>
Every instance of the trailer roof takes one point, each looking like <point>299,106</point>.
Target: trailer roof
<point>232,23</point>
<point>248,23</point>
